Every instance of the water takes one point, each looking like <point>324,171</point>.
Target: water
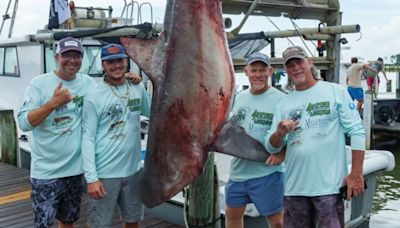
<point>386,206</point>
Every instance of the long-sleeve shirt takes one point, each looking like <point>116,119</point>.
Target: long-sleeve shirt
<point>254,113</point>
<point>316,161</point>
<point>111,130</point>
<point>55,143</point>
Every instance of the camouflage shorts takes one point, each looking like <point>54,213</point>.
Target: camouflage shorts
<point>319,211</point>
<point>56,198</point>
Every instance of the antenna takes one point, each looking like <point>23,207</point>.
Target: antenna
<point>7,16</point>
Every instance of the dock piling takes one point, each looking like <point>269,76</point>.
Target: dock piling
<point>368,117</point>
<point>8,137</point>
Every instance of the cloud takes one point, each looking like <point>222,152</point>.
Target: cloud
<point>377,41</point>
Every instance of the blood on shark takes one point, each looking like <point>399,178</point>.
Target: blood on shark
<point>193,80</point>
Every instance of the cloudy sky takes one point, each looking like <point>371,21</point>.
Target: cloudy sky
<point>379,21</point>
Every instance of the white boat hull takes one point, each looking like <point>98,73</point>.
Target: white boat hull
<point>357,211</point>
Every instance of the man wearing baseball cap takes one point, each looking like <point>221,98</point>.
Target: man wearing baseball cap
<point>311,121</point>
<point>255,182</point>
<point>111,142</point>
<point>52,111</point>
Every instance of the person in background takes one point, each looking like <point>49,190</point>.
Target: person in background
<point>312,121</point>
<point>354,81</point>
<point>111,142</point>
<point>250,181</point>
<point>52,111</point>
<point>373,76</point>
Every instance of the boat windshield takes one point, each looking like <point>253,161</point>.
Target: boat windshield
<point>91,62</point>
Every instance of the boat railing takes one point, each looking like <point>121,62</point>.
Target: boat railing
<point>130,6</point>
<point>135,7</point>
<point>140,19</point>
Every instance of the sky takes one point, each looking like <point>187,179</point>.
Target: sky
<point>379,21</point>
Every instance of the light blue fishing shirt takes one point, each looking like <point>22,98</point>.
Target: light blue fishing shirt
<point>254,113</point>
<point>316,160</point>
<point>111,143</point>
<point>56,142</point>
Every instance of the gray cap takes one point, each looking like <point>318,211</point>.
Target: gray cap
<point>294,52</point>
<point>69,44</point>
<point>258,57</point>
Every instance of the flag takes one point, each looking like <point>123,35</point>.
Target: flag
<point>59,13</point>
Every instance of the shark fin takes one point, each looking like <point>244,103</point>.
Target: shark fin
<point>142,53</point>
<point>233,140</point>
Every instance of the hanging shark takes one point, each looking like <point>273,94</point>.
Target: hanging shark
<point>192,73</point>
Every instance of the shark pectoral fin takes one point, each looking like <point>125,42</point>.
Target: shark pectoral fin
<point>234,141</point>
<point>142,52</point>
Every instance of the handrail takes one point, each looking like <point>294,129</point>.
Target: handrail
<point>140,12</point>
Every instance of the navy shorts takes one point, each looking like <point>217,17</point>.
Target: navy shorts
<point>317,211</point>
<point>266,193</point>
<point>356,93</point>
<point>56,198</point>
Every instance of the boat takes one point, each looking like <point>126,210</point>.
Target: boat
<point>23,57</point>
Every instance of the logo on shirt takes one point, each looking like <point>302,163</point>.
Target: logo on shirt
<point>238,117</point>
<point>61,108</point>
<point>117,126</point>
<point>262,118</point>
<point>61,122</point>
<point>318,109</point>
<point>296,114</point>
<point>78,101</point>
<point>27,103</point>
<point>115,111</point>
<point>134,105</point>
<point>116,129</point>
<point>352,106</point>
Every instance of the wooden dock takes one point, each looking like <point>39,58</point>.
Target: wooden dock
<point>16,209</point>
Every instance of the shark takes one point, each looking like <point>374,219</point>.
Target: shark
<point>192,73</point>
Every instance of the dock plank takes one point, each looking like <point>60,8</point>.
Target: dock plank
<point>16,208</point>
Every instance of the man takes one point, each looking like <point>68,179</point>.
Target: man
<point>373,76</point>
<point>312,122</point>
<point>111,142</point>
<point>250,181</point>
<point>52,111</point>
<point>354,81</point>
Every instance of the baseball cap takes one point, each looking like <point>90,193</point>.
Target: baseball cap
<point>69,44</point>
<point>258,57</point>
<point>113,51</point>
<point>294,52</point>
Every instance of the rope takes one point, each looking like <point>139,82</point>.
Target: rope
<point>301,38</point>
<point>186,196</point>
<point>277,27</point>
